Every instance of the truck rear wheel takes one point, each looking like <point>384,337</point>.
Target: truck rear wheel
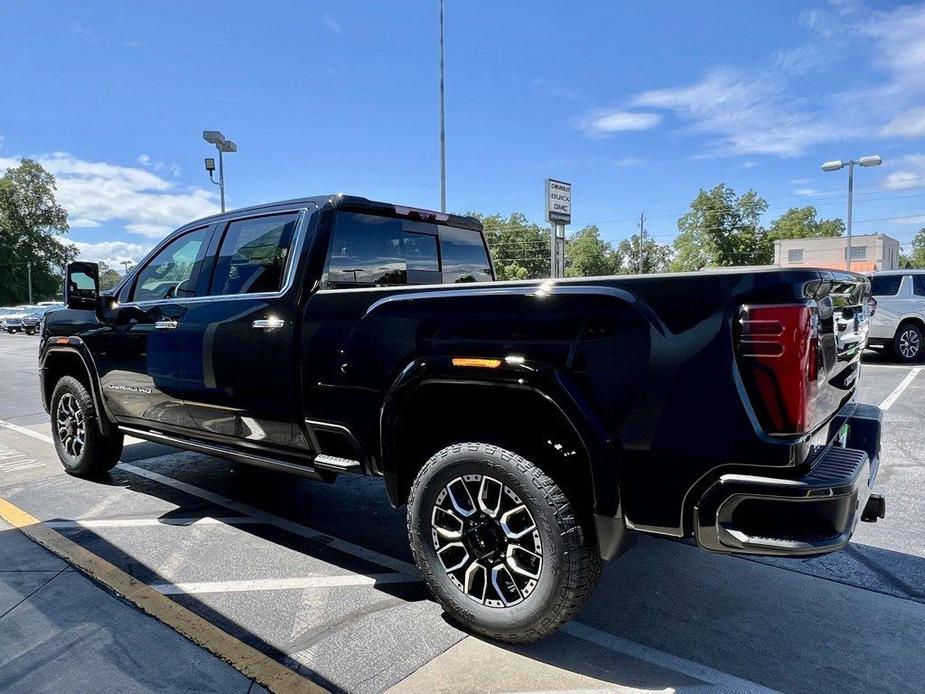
<point>499,543</point>
<point>82,449</point>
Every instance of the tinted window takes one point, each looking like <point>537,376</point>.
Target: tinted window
<point>464,256</point>
<point>369,251</point>
<point>918,285</point>
<point>885,285</point>
<point>253,255</point>
<point>170,273</point>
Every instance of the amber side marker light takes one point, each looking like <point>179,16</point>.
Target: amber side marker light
<point>61,340</point>
<point>477,363</point>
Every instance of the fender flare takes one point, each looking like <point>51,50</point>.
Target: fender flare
<point>77,346</point>
<point>602,452</point>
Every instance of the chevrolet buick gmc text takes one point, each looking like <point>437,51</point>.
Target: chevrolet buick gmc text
<point>531,428</point>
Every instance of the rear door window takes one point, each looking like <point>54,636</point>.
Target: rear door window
<point>465,258</point>
<point>370,251</point>
<point>253,256</point>
<point>885,285</point>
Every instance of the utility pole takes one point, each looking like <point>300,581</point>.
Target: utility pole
<point>642,247</point>
<point>29,271</point>
<point>442,121</point>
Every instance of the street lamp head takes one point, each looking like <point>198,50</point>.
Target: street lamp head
<point>873,160</point>
<point>833,165</point>
<point>227,146</point>
<point>210,165</point>
<point>213,137</point>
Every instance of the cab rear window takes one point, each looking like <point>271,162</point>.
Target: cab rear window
<point>373,251</point>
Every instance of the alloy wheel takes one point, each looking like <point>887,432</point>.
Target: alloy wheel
<point>909,344</point>
<point>487,540</point>
<point>70,425</point>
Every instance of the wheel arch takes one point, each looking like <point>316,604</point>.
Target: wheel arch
<point>539,417</point>
<point>72,360</point>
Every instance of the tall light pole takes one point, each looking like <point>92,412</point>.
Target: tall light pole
<point>873,160</point>
<point>214,137</point>
<point>442,122</point>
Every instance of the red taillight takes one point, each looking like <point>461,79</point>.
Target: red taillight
<point>779,361</point>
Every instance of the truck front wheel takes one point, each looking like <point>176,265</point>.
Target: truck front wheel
<point>82,449</point>
<point>499,543</point>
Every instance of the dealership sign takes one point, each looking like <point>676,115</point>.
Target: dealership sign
<point>558,202</point>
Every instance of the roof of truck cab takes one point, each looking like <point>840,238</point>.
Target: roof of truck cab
<point>334,200</point>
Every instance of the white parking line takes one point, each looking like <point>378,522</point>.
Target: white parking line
<point>270,518</point>
<point>662,659</point>
<point>28,432</point>
<point>898,390</point>
<point>295,583</point>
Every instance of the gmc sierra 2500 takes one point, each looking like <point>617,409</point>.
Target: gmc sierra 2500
<point>531,428</point>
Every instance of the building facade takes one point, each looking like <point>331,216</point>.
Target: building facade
<point>868,253</point>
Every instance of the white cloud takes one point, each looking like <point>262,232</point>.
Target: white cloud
<point>331,23</point>
<point>629,161</point>
<point>95,193</point>
<point>600,123</point>
<point>113,253</point>
<point>774,109</point>
<point>149,163</point>
<point>909,123</point>
<point>82,32</point>
<point>911,174</point>
<point>808,192</point>
<point>747,113</point>
<point>799,181</point>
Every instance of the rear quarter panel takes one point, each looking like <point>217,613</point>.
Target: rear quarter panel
<point>650,357</point>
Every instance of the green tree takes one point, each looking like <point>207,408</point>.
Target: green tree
<point>656,256</point>
<point>801,223</point>
<point>109,278</point>
<point>31,224</point>
<point>519,248</point>
<point>722,229</point>
<point>915,260</point>
<point>588,255</point>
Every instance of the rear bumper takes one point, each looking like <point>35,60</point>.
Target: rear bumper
<point>805,516</point>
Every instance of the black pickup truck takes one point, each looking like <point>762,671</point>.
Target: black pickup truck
<point>532,428</point>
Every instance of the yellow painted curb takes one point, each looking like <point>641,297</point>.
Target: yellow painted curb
<point>245,659</point>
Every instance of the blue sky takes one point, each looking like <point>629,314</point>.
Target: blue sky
<point>638,104</point>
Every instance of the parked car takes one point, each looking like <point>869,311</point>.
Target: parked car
<point>899,322</point>
<point>531,428</point>
<point>31,323</point>
<point>12,321</point>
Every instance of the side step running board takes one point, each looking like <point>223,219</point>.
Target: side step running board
<point>305,470</point>
<point>332,462</point>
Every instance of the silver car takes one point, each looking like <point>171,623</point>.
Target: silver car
<point>899,321</point>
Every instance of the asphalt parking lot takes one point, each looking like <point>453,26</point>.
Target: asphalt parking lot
<point>319,577</point>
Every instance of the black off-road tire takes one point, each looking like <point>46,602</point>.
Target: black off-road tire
<point>570,565</point>
<point>97,454</point>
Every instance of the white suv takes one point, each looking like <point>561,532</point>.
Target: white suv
<point>899,321</point>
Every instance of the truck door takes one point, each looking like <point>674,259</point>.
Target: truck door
<point>237,344</point>
<point>137,352</point>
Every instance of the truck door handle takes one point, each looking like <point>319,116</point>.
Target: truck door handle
<point>268,323</point>
<point>165,324</point>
